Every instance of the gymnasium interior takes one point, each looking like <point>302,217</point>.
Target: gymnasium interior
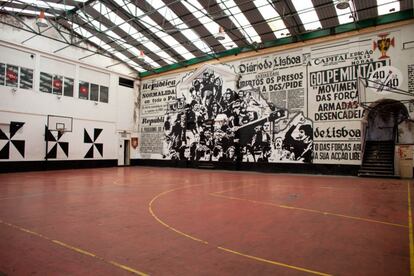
<point>206,137</point>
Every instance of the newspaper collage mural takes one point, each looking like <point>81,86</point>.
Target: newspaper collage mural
<point>301,106</point>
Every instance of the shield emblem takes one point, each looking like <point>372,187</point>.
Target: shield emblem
<point>134,142</point>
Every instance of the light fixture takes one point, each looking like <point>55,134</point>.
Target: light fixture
<point>141,56</point>
<point>171,30</point>
<point>41,21</point>
<point>221,35</point>
<point>342,4</point>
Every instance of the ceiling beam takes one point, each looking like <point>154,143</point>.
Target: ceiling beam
<point>134,22</point>
<point>219,16</point>
<point>124,35</point>
<point>256,19</point>
<point>195,24</point>
<point>164,23</point>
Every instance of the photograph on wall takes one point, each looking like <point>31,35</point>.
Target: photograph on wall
<point>45,82</point>
<point>57,87</point>
<point>83,90</point>
<point>103,94</point>
<point>68,87</point>
<point>26,78</point>
<point>2,73</point>
<point>12,75</point>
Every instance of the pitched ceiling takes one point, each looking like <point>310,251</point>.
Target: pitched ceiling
<point>172,32</point>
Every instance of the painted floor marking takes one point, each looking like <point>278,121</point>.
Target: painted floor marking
<point>219,247</point>
<point>410,231</point>
<point>165,224</point>
<point>309,210</point>
<point>272,262</point>
<point>75,249</point>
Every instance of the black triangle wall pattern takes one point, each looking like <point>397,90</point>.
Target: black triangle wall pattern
<point>99,147</point>
<point>5,151</point>
<point>19,145</point>
<point>14,127</point>
<point>52,154</point>
<point>49,136</point>
<point>65,147</point>
<point>96,133</point>
<point>89,154</point>
<point>86,137</point>
<point>3,135</point>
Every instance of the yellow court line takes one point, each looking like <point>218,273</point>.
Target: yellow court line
<point>273,262</point>
<point>165,224</point>
<point>75,249</point>
<point>311,211</point>
<point>127,268</point>
<point>410,231</point>
<point>219,247</point>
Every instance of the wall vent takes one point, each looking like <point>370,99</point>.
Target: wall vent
<point>126,82</point>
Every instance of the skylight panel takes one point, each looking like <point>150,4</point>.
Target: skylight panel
<point>136,12</point>
<point>154,48</point>
<point>155,28</point>
<point>272,17</point>
<point>388,6</point>
<point>200,13</point>
<point>180,25</point>
<point>239,20</point>
<point>307,14</point>
<point>126,59</point>
<point>344,15</point>
<point>109,48</point>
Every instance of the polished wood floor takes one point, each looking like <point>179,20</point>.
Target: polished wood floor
<point>166,221</point>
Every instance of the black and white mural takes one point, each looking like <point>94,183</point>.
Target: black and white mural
<point>10,146</point>
<point>302,106</point>
<point>212,120</point>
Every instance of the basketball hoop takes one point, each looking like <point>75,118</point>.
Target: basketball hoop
<point>61,130</point>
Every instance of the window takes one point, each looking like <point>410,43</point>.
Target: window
<point>15,76</point>
<point>45,82</point>
<point>12,75</point>
<point>57,84</point>
<point>94,92</point>
<point>84,90</point>
<point>68,89</point>
<point>104,94</point>
<point>2,73</point>
<point>26,78</point>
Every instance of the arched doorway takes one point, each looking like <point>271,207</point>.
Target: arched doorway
<point>381,133</point>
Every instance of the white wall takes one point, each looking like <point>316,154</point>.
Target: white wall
<point>33,106</point>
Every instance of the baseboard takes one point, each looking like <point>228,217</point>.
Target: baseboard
<point>24,166</point>
<point>326,169</point>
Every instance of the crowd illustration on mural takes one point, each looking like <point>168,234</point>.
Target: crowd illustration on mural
<point>214,123</point>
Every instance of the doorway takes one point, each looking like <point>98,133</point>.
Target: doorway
<point>127,158</point>
<point>381,135</point>
<point>383,119</point>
